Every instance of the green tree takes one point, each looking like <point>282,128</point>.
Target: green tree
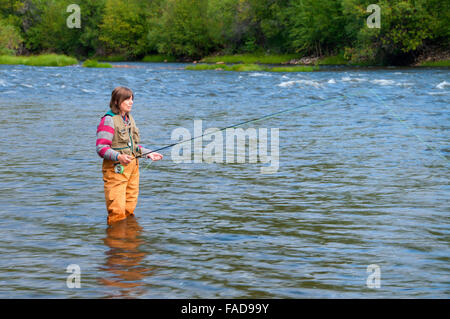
<point>10,38</point>
<point>406,25</point>
<point>440,15</point>
<point>124,28</point>
<point>50,32</point>
<point>195,28</point>
<point>91,17</point>
<point>10,10</point>
<point>316,26</point>
<point>221,16</point>
<point>251,25</point>
<point>182,29</point>
<point>267,23</point>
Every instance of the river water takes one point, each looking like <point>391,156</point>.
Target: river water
<point>356,207</point>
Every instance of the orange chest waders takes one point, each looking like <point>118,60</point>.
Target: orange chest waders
<point>122,188</point>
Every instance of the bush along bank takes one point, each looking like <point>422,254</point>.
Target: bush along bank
<point>39,60</point>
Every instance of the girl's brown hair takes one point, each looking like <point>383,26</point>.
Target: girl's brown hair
<point>119,95</point>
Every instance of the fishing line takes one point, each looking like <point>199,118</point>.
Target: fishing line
<point>436,151</point>
<point>245,122</point>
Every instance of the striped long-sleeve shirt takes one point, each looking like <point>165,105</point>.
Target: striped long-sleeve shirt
<point>105,133</point>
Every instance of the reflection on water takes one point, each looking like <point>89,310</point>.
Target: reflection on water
<point>124,259</point>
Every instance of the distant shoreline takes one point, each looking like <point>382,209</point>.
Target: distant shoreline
<point>282,60</point>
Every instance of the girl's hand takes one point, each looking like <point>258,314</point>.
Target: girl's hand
<point>155,156</point>
<point>124,159</point>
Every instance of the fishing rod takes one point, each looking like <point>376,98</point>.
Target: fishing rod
<point>240,124</point>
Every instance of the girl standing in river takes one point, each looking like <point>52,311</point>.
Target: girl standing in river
<point>117,143</point>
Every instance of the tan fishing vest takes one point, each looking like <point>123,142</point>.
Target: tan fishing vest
<point>126,136</point>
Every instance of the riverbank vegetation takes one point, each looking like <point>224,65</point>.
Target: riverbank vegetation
<point>443,63</point>
<point>40,60</point>
<point>159,58</point>
<point>95,64</point>
<point>251,67</point>
<point>296,68</point>
<point>230,31</point>
<point>250,58</point>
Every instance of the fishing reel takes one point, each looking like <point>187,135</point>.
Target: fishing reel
<point>118,168</point>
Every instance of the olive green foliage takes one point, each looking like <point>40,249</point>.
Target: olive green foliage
<point>95,64</point>
<point>51,33</point>
<point>442,63</point>
<point>316,26</point>
<point>255,25</point>
<point>297,68</point>
<point>182,29</point>
<point>41,60</point>
<point>194,29</point>
<point>406,26</point>
<point>124,27</point>
<point>92,13</point>
<point>334,60</point>
<point>10,11</point>
<point>10,35</point>
<point>10,38</point>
